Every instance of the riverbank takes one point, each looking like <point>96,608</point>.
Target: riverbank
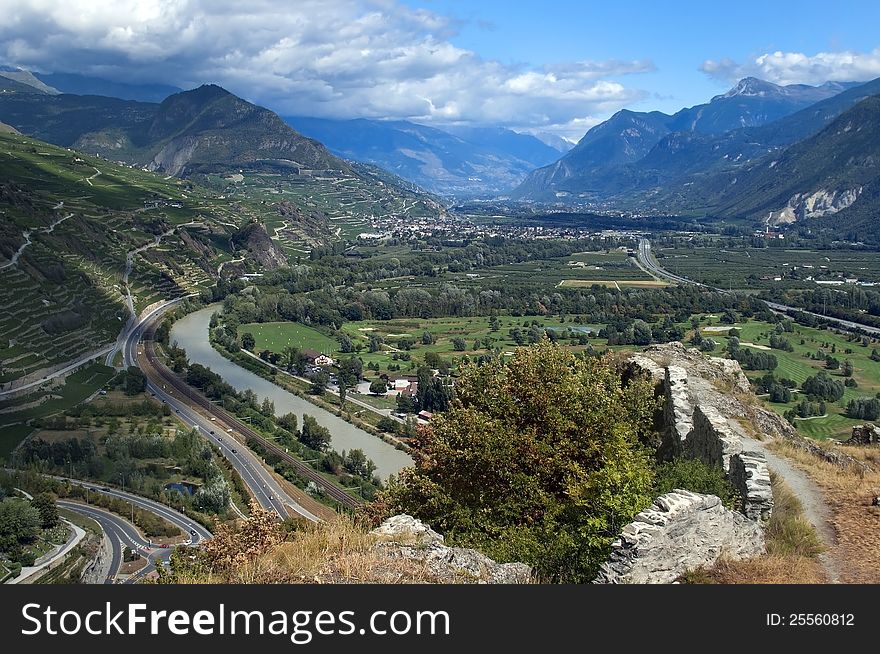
<point>191,333</point>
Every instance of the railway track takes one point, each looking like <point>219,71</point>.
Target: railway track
<point>230,422</point>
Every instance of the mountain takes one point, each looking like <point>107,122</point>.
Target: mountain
<point>27,79</point>
<point>210,127</point>
<point>835,172</point>
<point>200,130</point>
<point>593,168</point>
<point>452,162</point>
<point>6,129</point>
<point>84,85</point>
<point>554,141</point>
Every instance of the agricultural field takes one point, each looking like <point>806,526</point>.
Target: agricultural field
<point>402,340</point>
<point>275,336</point>
<point>582,269</point>
<point>747,268</point>
<point>14,414</point>
<point>798,365</point>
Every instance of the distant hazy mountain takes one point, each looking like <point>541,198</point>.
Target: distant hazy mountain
<point>83,85</point>
<point>23,77</point>
<point>605,160</point>
<point>203,129</point>
<point>835,172</point>
<point>554,141</point>
<point>453,162</point>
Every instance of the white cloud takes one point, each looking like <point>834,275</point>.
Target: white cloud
<point>798,68</point>
<point>332,58</point>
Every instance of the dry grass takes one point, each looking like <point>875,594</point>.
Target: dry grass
<point>792,550</point>
<point>338,552</point>
<point>848,493</point>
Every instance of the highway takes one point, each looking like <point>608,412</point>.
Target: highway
<point>122,534</point>
<point>175,517</point>
<point>649,263</point>
<point>210,424</point>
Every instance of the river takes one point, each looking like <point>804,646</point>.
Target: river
<point>191,333</point>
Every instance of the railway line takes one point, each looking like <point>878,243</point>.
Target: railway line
<point>160,375</point>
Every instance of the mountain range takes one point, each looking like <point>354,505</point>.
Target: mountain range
<point>835,172</point>
<point>201,130</point>
<point>634,151</point>
<point>454,162</point>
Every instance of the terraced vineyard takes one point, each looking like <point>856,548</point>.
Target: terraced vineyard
<point>348,203</point>
<point>69,222</point>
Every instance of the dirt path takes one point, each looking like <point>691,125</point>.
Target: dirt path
<point>816,510</point>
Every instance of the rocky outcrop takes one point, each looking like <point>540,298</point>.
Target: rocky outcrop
<point>678,410</point>
<point>701,396</point>
<point>749,475</point>
<point>712,440</point>
<point>253,238</point>
<point>864,435</point>
<point>681,531</point>
<point>815,205</point>
<point>403,536</point>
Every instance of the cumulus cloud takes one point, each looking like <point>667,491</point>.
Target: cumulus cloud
<point>330,58</point>
<point>798,68</point>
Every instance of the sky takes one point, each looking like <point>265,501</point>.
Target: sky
<point>548,67</point>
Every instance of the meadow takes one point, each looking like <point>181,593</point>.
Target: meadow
<point>798,366</point>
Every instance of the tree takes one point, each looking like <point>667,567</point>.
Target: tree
<point>539,460</point>
<point>427,338</point>
<point>45,504</point>
<point>458,344</point>
<point>350,371</point>
<point>378,386</point>
<point>848,369</point>
<point>357,463</point>
<point>248,342</point>
<point>320,380</point>
<point>824,387</point>
<point>289,422</point>
<point>388,425</point>
<point>345,344</point>
<point>19,523</point>
<point>314,435</point>
<point>135,381</point>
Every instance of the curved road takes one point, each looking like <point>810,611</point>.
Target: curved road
<point>262,484</point>
<point>649,263</point>
<point>122,534</point>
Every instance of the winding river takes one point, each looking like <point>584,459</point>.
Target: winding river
<point>191,333</point>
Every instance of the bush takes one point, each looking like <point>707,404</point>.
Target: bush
<point>696,476</point>
<point>557,440</point>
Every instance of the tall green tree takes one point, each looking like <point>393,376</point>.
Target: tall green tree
<point>538,460</point>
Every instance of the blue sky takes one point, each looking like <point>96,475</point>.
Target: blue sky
<point>678,36</point>
<point>555,68</point>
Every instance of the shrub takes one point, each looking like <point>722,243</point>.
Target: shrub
<point>696,476</point>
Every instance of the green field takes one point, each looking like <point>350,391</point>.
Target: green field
<point>798,365</point>
<point>275,336</point>
<point>77,387</point>
<point>750,268</point>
